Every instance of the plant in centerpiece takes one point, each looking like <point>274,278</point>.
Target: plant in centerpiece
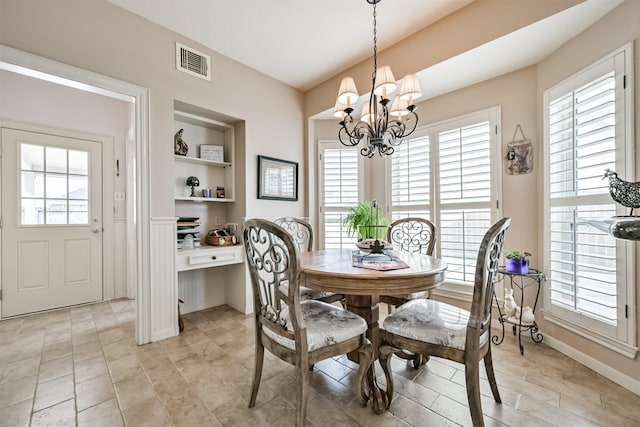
<point>365,221</point>
<point>517,261</point>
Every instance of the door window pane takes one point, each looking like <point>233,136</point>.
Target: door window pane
<point>54,185</point>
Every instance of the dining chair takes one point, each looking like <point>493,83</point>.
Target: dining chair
<point>425,326</point>
<point>302,234</point>
<point>298,332</point>
<point>416,235</point>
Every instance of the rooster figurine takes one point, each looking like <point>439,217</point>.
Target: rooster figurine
<point>624,192</point>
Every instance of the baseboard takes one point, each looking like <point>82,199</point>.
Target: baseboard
<point>601,368</point>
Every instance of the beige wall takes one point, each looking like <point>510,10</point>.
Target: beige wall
<point>100,37</point>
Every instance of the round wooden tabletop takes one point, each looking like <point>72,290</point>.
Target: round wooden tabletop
<point>333,270</point>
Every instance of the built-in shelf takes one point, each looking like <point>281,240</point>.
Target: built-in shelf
<point>198,161</point>
<point>620,227</point>
<point>203,199</point>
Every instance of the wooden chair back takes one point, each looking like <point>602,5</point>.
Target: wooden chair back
<point>300,230</point>
<point>412,235</point>
<point>273,259</point>
<point>485,278</point>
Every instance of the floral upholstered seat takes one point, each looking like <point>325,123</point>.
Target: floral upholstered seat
<point>326,325</point>
<point>432,322</point>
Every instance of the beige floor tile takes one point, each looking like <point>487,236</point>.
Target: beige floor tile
<point>55,368</point>
<point>86,351</point>
<point>54,351</point>
<point>62,414</point>
<point>111,336</point>
<point>106,414</point>
<point>53,392</point>
<point>134,391</point>
<point>94,391</point>
<point>146,413</point>
<point>12,392</point>
<point>89,368</point>
<point>117,350</point>
<point>21,369</point>
<point>124,368</point>
<point>17,415</point>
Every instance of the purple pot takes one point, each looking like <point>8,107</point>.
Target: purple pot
<point>517,266</point>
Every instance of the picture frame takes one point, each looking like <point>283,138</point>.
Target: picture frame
<point>277,179</point>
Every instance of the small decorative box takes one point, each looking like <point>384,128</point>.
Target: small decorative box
<point>212,152</point>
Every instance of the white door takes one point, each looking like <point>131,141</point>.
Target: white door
<point>51,221</point>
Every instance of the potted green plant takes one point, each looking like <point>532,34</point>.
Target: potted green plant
<point>365,221</point>
<point>517,261</point>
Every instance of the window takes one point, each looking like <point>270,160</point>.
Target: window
<point>340,188</point>
<point>461,201</point>
<point>54,185</point>
<point>587,131</point>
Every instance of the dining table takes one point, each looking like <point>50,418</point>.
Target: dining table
<point>362,279</point>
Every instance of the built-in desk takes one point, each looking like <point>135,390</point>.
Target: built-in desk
<point>208,256</point>
<point>209,276</point>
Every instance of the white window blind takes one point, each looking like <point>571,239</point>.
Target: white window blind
<point>461,202</point>
<point>465,196</point>
<point>585,134</point>
<point>340,189</point>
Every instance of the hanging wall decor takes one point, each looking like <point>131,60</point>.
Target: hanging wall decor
<point>519,154</point>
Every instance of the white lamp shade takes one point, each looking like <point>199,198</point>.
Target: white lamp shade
<point>347,94</point>
<point>338,110</point>
<point>398,107</point>
<point>410,88</point>
<point>367,115</point>
<point>385,82</point>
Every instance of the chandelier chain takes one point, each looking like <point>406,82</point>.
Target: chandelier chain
<point>375,46</point>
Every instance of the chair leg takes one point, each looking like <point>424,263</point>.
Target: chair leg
<point>257,372</point>
<point>488,365</point>
<point>472,377</point>
<point>303,394</point>
<point>365,360</point>
<point>384,356</point>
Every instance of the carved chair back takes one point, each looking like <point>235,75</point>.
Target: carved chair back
<point>485,278</point>
<point>273,260</point>
<point>412,235</point>
<point>300,230</point>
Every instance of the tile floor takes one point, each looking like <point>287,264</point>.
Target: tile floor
<point>81,366</point>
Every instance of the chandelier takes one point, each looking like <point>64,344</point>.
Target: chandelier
<point>380,127</point>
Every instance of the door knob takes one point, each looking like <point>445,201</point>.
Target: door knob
<point>95,230</point>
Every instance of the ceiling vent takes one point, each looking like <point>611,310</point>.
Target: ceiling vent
<point>193,62</point>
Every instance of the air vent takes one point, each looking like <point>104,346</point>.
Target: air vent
<point>193,62</point>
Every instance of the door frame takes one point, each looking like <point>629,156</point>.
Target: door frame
<point>107,154</point>
<point>137,149</point>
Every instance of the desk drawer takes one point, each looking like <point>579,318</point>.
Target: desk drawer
<point>209,257</point>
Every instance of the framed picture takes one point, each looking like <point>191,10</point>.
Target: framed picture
<point>277,179</point>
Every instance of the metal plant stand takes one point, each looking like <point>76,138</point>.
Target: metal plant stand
<point>522,282</point>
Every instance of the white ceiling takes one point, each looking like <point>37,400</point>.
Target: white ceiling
<point>304,42</point>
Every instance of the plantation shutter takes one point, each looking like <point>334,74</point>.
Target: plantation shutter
<point>410,171</point>
<point>340,190</point>
<point>464,191</point>
<point>582,144</point>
